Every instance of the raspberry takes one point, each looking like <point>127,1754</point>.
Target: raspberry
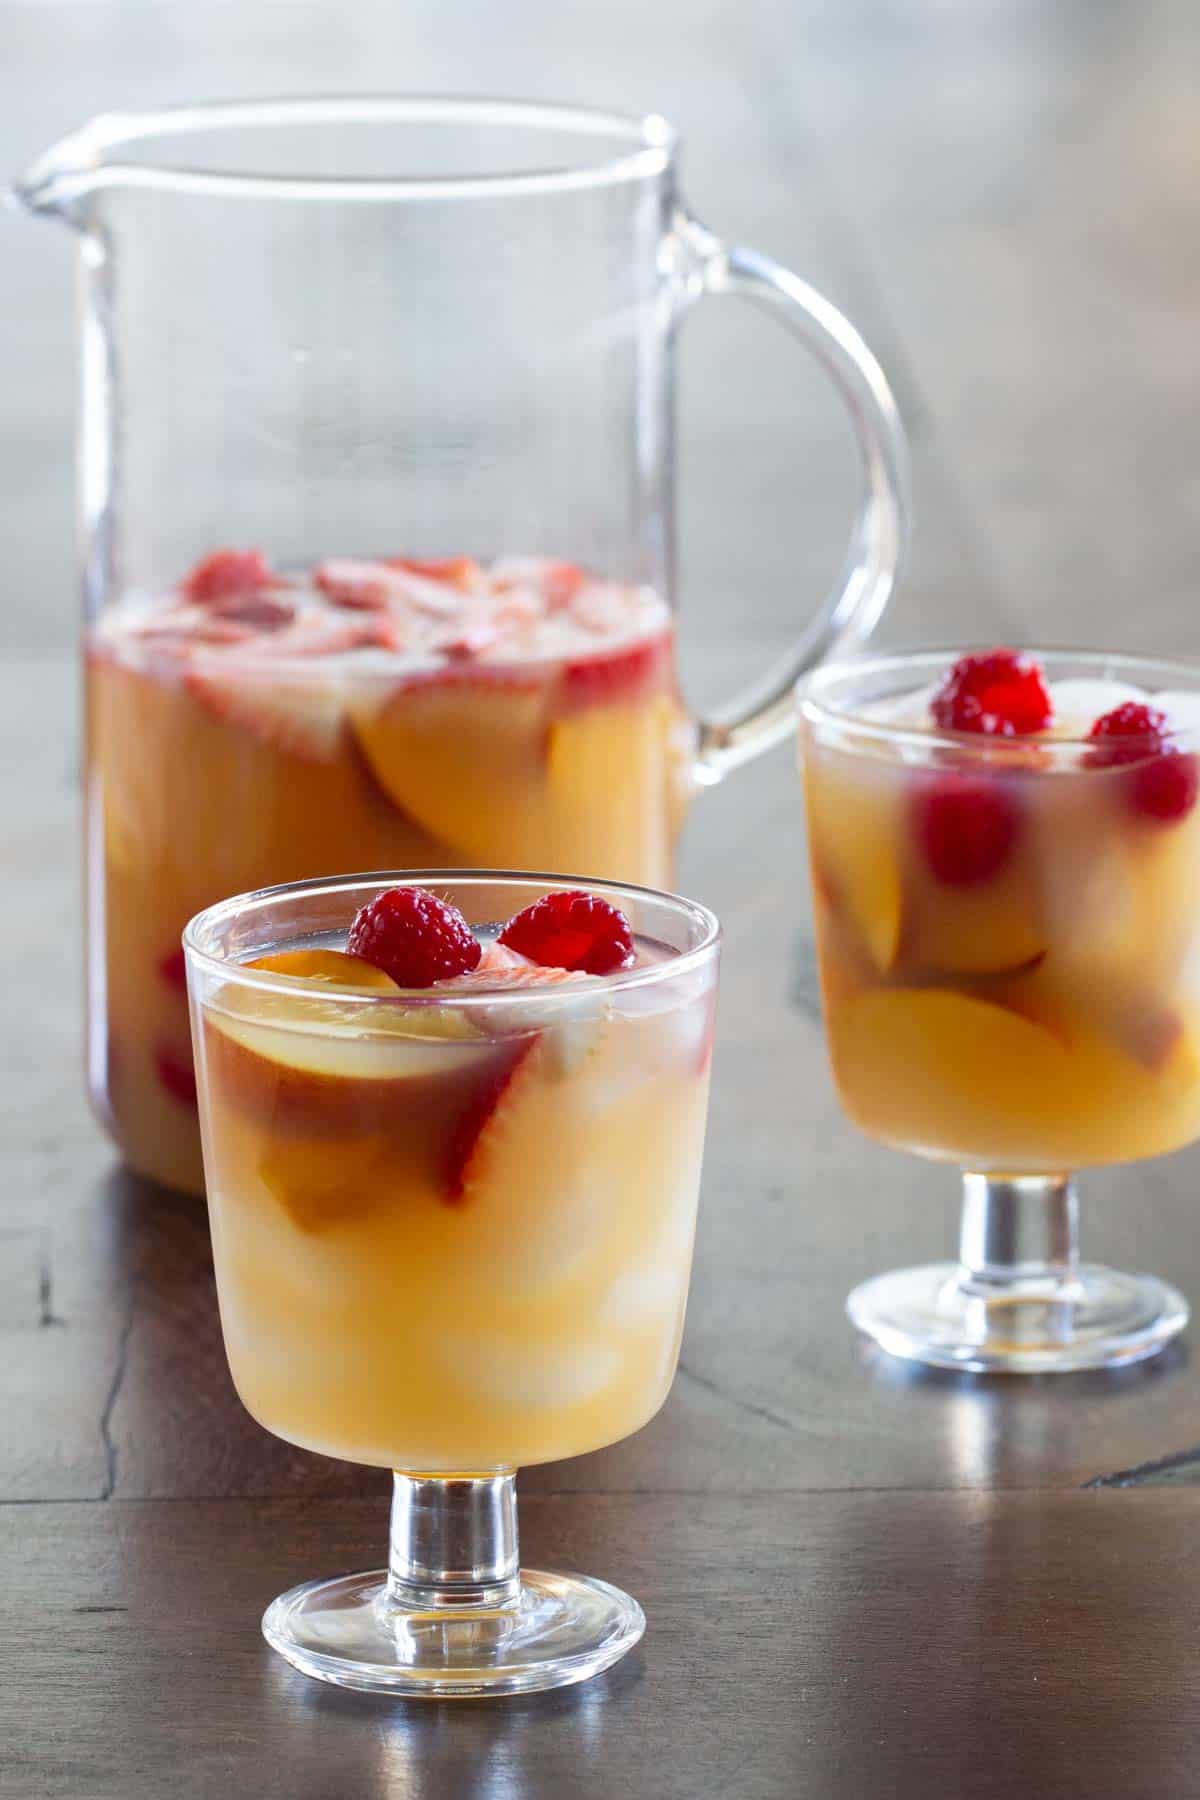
<point>226,573</point>
<point>1164,783</point>
<point>998,693</point>
<point>1126,735</point>
<point>1165,789</point>
<point>414,937</point>
<point>966,826</point>
<point>572,930</point>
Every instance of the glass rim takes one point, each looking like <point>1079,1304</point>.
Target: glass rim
<point>534,997</point>
<point>80,162</point>
<point>818,707</point>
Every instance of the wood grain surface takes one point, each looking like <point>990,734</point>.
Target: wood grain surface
<point>860,1579</point>
<point>859,1644</point>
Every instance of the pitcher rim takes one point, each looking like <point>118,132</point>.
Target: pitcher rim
<point>83,161</point>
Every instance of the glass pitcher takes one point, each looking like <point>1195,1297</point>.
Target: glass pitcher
<point>376,472</point>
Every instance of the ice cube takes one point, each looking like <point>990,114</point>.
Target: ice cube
<point>530,1372</point>
<point>538,1256</point>
<point>645,1293</point>
<point>909,712</point>
<point>1183,712</point>
<point>1081,700</point>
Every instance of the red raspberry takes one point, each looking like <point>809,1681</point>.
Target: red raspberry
<point>1164,784</point>
<point>572,930</point>
<point>226,573</point>
<point>998,693</point>
<point>414,937</point>
<point>1126,735</point>
<point>966,826</point>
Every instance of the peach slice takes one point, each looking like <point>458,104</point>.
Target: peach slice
<point>464,755</point>
<point>854,836</point>
<point>332,1045</point>
<point>331,968</point>
<point>604,769</point>
<point>992,929</point>
<point>936,1070</point>
<point>321,1183</point>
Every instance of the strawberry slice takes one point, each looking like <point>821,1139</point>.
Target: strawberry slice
<point>558,582</point>
<point>172,634</point>
<point>458,571</point>
<point>260,612</point>
<point>227,573</point>
<point>617,676</point>
<point>359,586</point>
<point>302,719</point>
<point>325,634</point>
<point>472,1142</point>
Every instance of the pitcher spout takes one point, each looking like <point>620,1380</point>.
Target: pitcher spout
<point>63,179</point>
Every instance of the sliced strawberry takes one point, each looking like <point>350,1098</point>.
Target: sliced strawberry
<point>469,1144</point>
<point>226,573</point>
<point>357,585</point>
<point>315,634</point>
<point>260,611</point>
<point>458,571</point>
<point>468,644</point>
<point>299,718</point>
<point>558,582</point>
<point>500,967</point>
<point>608,678</point>
<point>174,633</point>
<point>176,1074</point>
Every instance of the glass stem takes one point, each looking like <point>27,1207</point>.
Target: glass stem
<point>453,1542</point>
<point>1018,1232</point>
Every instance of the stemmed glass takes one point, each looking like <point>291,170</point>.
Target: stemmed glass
<point>1008,934</point>
<point>452,1231</point>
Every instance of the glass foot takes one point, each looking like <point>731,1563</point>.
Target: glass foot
<point>1096,1318</point>
<point>560,1629</point>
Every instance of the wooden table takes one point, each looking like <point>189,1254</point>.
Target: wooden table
<point>860,1580</point>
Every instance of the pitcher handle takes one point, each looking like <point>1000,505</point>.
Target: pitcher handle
<point>763,715</point>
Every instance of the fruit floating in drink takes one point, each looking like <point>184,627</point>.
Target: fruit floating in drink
<point>251,727</point>
<point>452,1174</point>
<point>1005,860</point>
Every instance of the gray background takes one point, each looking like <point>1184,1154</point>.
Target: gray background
<point>1001,193</point>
